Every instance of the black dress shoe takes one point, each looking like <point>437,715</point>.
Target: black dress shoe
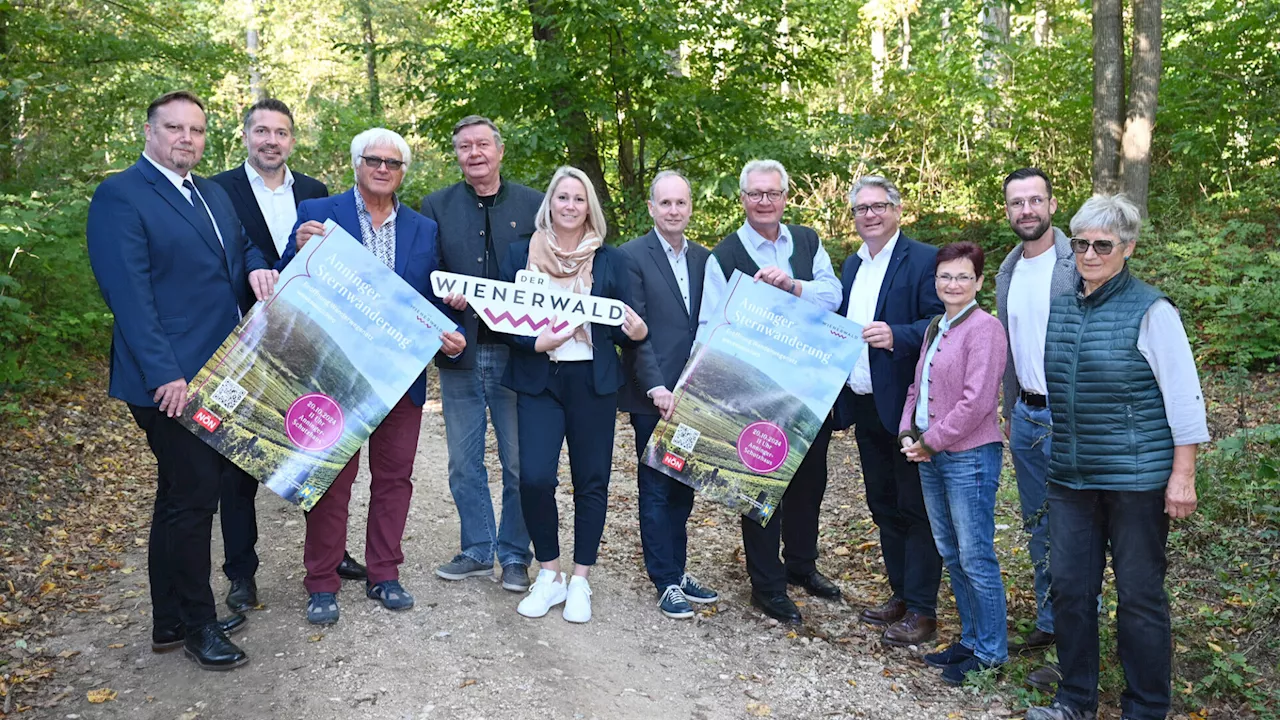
<point>1035,640</point>
<point>777,606</point>
<point>243,595</point>
<point>349,569</point>
<point>816,584</point>
<point>167,639</point>
<point>211,649</point>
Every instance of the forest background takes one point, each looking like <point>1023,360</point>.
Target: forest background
<point>1176,102</point>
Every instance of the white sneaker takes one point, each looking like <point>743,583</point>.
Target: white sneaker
<point>546,593</point>
<point>577,603</point>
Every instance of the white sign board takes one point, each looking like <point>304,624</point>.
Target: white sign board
<point>526,306</point>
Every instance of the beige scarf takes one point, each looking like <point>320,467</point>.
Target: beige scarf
<point>569,269</point>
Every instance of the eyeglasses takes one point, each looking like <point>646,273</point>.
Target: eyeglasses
<point>879,208</point>
<point>1080,246</point>
<point>757,197</point>
<point>373,162</point>
<point>945,279</point>
<point>1034,202</point>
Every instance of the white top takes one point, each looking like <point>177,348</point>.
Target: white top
<point>1163,342</point>
<point>573,349</point>
<point>177,181</point>
<point>679,264</point>
<point>823,290</point>
<point>277,206</point>
<point>1028,308</point>
<point>863,295</point>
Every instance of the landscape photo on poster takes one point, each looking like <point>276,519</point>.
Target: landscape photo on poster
<point>308,374</point>
<point>753,396</point>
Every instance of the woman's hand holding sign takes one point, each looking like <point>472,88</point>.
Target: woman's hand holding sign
<point>634,326</point>
<point>550,339</point>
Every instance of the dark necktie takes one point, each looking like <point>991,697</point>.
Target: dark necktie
<point>203,211</point>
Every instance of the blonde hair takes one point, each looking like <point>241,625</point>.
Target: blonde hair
<point>595,214</point>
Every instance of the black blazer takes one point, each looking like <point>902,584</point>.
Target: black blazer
<point>908,302</point>
<point>527,369</point>
<point>236,182</point>
<point>656,297</point>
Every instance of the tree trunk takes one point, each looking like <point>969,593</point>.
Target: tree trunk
<point>994,18</point>
<point>1144,86</point>
<point>879,56</point>
<point>579,134</point>
<point>1108,93</point>
<point>370,57</point>
<point>256,90</point>
<point>1042,26</point>
<point>906,41</point>
<point>8,108</point>
<point>945,21</point>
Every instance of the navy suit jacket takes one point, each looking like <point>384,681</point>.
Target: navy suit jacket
<point>174,289</point>
<point>415,252</point>
<point>527,369</point>
<point>908,302</point>
<point>236,182</point>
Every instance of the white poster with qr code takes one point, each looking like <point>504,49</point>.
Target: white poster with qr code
<point>229,394</point>
<point>685,438</point>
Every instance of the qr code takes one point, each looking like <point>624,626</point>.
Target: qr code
<point>685,438</point>
<point>229,394</point>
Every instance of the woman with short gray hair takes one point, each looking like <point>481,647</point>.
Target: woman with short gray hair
<point>1128,417</point>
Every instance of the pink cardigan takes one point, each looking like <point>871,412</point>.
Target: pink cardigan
<point>964,384</point>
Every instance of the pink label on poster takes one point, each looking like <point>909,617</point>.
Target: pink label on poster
<point>313,422</point>
<point>762,447</point>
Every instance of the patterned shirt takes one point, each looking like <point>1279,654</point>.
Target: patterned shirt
<point>379,241</point>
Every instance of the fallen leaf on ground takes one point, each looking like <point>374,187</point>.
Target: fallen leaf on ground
<point>101,695</point>
<point>759,709</point>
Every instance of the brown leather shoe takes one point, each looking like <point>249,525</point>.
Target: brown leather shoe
<point>886,613</point>
<point>912,629</point>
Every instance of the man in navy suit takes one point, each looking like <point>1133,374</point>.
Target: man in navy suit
<point>174,267</point>
<point>265,193</point>
<point>889,290</point>
<point>406,242</point>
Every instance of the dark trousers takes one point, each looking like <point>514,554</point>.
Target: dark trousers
<point>392,448</point>
<point>794,525</point>
<point>189,475</point>
<point>239,524</point>
<point>567,410</point>
<point>896,502</point>
<point>1081,522</point>
<point>665,505</point>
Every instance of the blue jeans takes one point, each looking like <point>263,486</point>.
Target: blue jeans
<point>1134,523</point>
<point>464,394</point>
<point>1030,432</point>
<point>960,494</point>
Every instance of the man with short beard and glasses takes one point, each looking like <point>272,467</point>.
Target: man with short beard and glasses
<point>1034,272</point>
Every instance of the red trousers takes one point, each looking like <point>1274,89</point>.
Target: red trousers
<point>392,448</point>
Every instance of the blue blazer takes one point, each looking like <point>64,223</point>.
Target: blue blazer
<point>908,302</point>
<point>174,289</point>
<point>527,369</point>
<point>415,252</point>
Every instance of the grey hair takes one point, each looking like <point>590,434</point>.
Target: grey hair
<point>667,174</point>
<point>875,181</point>
<point>379,137</point>
<point>595,213</point>
<point>470,120</point>
<point>1109,213</point>
<point>756,166</point>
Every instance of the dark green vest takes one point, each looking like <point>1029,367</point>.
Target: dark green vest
<point>1109,427</point>
<point>732,255</point>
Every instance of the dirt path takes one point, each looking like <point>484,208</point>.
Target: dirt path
<point>464,653</point>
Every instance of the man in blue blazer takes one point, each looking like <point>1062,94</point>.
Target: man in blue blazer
<point>174,267</point>
<point>406,242</point>
<point>889,290</point>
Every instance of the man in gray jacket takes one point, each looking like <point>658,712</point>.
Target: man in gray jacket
<point>479,219</point>
<point>1039,269</point>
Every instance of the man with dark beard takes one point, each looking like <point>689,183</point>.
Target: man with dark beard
<point>1039,269</point>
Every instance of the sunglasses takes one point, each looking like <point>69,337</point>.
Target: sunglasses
<point>1080,246</point>
<point>373,161</point>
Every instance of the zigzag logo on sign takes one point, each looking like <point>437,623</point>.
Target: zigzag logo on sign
<point>493,322</point>
<point>526,306</point>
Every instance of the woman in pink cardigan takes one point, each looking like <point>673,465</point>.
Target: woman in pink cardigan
<point>950,425</point>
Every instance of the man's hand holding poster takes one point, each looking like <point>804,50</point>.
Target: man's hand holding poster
<point>753,396</point>
<point>308,374</point>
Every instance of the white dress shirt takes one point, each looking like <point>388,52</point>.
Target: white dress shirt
<point>823,290</point>
<point>1163,342</point>
<point>863,296</point>
<point>679,262</point>
<point>1028,308</point>
<point>277,206</point>
<point>177,181</point>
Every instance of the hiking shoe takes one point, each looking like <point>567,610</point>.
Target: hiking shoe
<point>515,577</point>
<point>322,608</point>
<point>696,592</point>
<point>390,594</point>
<point>952,654</point>
<point>462,567</point>
<point>547,592</point>
<point>577,601</point>
<point>674,604</point>
<point>1058,711</point>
